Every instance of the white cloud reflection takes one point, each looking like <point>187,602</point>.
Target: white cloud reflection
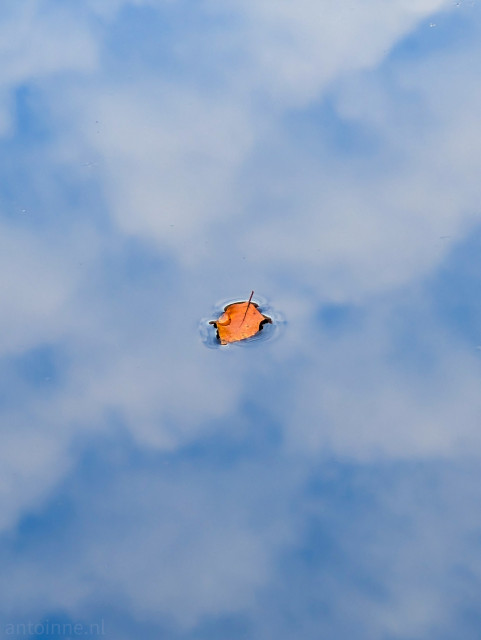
<point>325,156</point>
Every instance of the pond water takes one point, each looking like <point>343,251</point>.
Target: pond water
<point>161,160</point>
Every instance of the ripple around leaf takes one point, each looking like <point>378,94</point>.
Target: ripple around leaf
<point>269,331</point>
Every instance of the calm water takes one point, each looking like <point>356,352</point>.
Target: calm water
<point>160,160</point>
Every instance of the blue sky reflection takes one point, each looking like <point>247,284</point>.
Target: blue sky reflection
<point>158,157</point>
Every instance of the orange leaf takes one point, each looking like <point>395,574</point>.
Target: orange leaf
<point>239,321</point>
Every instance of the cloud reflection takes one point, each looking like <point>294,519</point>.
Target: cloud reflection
<point>159,157</point>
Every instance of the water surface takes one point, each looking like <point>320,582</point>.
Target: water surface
<point>322,481</point>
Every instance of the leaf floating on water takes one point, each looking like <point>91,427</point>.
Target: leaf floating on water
<point>239,321</point>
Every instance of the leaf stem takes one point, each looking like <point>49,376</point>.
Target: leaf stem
<point>247,308</point>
